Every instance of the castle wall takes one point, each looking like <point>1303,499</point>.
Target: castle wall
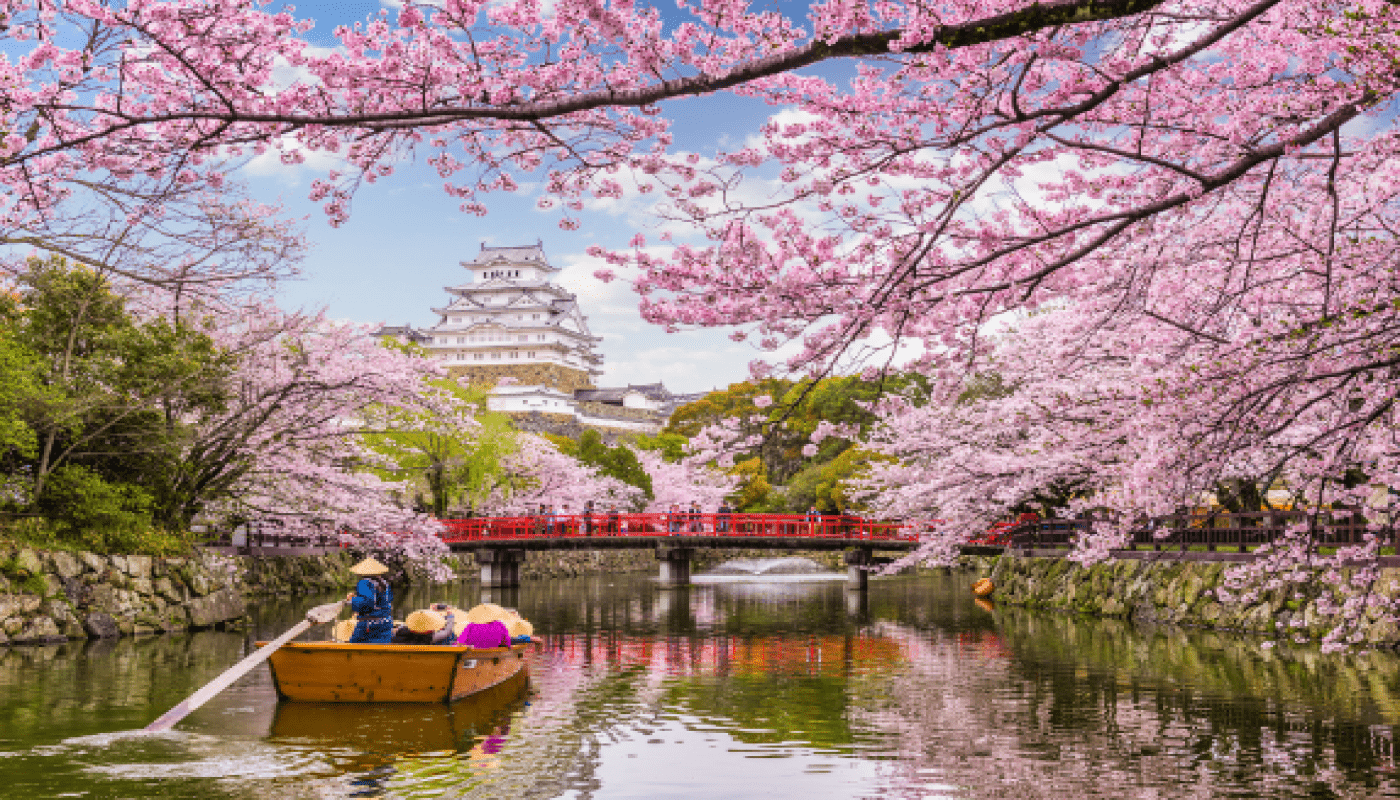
<point>606,411</point>
<point>566,379</point>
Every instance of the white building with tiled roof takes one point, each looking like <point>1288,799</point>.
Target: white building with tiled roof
<point>510,322</point>
<point>510,315</point>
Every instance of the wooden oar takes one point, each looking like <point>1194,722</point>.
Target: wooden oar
<point>316,616</point>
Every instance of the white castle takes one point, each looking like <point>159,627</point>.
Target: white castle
<point>510,321</point>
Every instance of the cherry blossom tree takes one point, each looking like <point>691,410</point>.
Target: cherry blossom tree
<point>1202,192</point>
<point>684,482</point>
<point>287,448</point>
<point>537,473</point>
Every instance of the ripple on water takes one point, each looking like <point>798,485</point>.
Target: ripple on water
<point>736,691</point>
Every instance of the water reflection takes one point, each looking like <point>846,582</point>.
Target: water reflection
<point>737,691</point>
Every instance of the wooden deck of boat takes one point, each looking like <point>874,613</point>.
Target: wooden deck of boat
<point>335,672</point>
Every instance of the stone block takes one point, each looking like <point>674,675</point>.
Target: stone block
<point>126,625</point>
<point>139,567</point>
<point>65,564</point>
<point>27,563</point>
<point>166,589</point>
<point>175,618</point>
<point>28,603</point>
<point>225,604</point>
<point>200,584</point>
<point>39,629</point>
<point>93,562</point>
<point>118,563</point>
<point>53,586</point>
<point>58,610</point>
<point>142,586</point>
<point>104,597</point>
<point>13,625</point>
<point>101,626</point>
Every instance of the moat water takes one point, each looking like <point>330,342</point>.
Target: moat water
<point>733,690</point>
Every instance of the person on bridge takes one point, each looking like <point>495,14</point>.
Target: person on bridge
<point>373,602</point>
<point>613,518</point>
<point>673,519</point>
<point>696,526</point>
<point>588,518</point>
<point>722,519</point>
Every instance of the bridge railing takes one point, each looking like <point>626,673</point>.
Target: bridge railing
<point>561,526</point>
<point>1201,531</point>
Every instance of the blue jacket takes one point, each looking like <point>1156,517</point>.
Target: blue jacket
<point>374,599</point>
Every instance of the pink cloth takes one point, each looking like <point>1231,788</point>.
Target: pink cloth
<point>482,635</point>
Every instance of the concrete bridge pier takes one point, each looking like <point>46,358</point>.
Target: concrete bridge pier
<point>502,596</point>
<point>675,564</point>
<point>500,568</point>
<point>857,576</point>
<point>858,606</point>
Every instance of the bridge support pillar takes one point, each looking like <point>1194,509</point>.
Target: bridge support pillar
<point>500,568</point>
<point>675,565</point>
<point>857,574</point>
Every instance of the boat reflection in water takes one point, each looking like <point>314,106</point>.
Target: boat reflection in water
<point>379,734</point>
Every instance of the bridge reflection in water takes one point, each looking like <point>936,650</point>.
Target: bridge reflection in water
<point>500,543</point>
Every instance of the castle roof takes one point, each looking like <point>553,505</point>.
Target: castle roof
<point>408,332</point>
<point>531,254</point>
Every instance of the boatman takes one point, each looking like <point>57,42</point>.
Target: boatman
<point>373,601</point>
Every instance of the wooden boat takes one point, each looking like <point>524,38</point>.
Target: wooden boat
<point>334,672</point>
<point>400,728</point>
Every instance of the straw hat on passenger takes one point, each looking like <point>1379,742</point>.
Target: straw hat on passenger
<point>486,612</point>
<point>424,622</point>
<point>369,567</point>
<point>519,626</point>
<point>343,630</point>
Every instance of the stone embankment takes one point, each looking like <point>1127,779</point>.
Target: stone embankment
<point>1183,593</point>
<point>56,595</point>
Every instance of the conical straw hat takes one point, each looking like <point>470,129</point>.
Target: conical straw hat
<point>343,630</point>
<point>519,626</point>
<point>424,622</point>
<point>369,567</point>
<point>486,612</point>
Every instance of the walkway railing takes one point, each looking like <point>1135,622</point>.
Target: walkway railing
<point>273,541</point>
<point>1208,532</point>
<point>738,526</point>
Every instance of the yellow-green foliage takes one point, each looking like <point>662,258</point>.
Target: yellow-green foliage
<point>454,459</point>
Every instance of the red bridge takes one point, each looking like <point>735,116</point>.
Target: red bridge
<point>500,542</point>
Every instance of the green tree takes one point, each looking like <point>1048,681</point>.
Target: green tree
<point>452,450</point>
<point>755,495</point>
<point>669,444</point>
<point>617,461</point>
<point>98,427</point>
<point>796,411</point>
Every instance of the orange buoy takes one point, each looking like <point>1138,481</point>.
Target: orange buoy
<point>983,587</point>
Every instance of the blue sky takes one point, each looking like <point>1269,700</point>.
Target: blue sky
<point>405,240</point>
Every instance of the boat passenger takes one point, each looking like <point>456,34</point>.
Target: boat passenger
<point>426,627</point>
<point>485,635</point>
<point>372,601</point>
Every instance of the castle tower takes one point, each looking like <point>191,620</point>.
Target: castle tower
<point>510,321</point>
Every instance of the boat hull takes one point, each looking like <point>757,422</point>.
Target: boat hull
<point>334,672</point>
